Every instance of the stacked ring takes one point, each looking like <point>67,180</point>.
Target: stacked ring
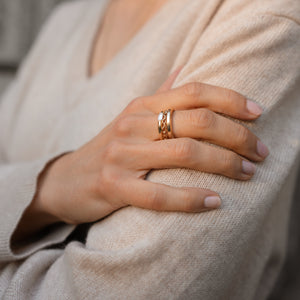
<point>165,128</point>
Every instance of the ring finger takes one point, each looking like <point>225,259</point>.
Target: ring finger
<point>200,124</point>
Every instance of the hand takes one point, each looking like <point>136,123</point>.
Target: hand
<point>108,172</point>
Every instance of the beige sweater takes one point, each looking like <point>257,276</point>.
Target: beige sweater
<point>235,252</point>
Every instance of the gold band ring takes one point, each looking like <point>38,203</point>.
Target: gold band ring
<point>165,128</point>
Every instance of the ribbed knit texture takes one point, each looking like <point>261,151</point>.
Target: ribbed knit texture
<point>235,252</point>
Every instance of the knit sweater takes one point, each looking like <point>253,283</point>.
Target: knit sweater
<point>235,252</point>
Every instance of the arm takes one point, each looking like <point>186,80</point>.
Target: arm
<point>80,187</point>
<point>235,252</point>
<point>159,255</point>
<point>19,176</point>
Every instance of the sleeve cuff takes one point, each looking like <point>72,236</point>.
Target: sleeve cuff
<point>17,188</point>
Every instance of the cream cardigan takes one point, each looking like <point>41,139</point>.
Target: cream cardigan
<point>235,252</point>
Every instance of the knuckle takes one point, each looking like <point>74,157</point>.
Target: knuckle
<point>205,118</point>
<point>228,159</point>
<point>107,179</point>
<point>188,201</point>
<point>229,96</point>
<point>231,165</point>
<point>242,136</point>
<point>135,105</point>
<point>192,89</point>
<point>184,149</point>
<point>234,100</point>
<point>123,126</point>
<point>112,151</point>
<point>154,200</point>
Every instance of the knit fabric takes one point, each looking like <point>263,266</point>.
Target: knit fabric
<point>235,252</point>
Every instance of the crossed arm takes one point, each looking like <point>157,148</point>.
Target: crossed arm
<point>230,253</point>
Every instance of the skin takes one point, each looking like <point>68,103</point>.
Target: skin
<point>126,17</point>
<point>108,172</point>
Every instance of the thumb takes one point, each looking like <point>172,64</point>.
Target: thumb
<point>170,80</point>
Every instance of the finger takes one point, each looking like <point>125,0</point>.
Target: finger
<point>198,124</point>
<point>161,197</point>
<point>209,126</point>
<point>169,82</point>
<point>197,95</point>
<point>187,153</point>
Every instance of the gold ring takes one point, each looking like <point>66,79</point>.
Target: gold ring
<point>165,128</point>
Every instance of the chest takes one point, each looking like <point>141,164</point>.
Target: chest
<point>62,109</point>
<point>121,22</point>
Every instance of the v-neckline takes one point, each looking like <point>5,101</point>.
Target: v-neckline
<point>93,50</point>
<point>94,31</point>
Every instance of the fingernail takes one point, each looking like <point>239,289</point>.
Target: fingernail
<point>248,167</point>
<point>262,149</point>
<point>212,202</point>
<point>254,108</point>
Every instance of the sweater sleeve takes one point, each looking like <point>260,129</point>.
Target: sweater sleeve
<point>18,177</point>
<point>234,252</point>
<point>17,189</point>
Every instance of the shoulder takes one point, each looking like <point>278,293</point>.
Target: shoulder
<point>284,8</point>
<point>63,19</point>
<point>62,24</point>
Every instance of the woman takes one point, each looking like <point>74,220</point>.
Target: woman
<point>56,137</point>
